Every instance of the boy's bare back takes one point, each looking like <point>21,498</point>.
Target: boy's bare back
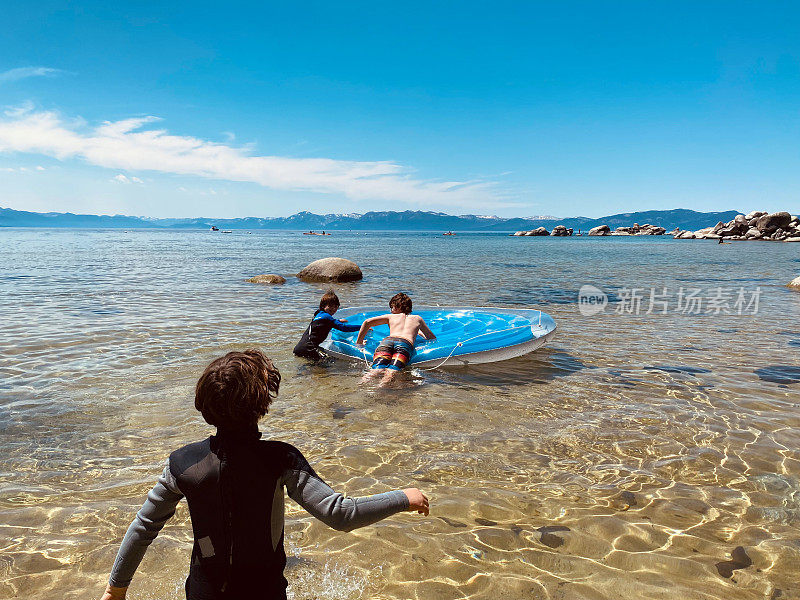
<point>408,326</point>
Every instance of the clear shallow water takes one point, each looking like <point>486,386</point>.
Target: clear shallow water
<point>630,457</point>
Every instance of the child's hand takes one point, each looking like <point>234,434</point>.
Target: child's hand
<point>417,501</point>
<point>114,593</point>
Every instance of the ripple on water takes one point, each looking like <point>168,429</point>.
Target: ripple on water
<point>786,374</point>
<point>678,369</point>
<point>573,472</point>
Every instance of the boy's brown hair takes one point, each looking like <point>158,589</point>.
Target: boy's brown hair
<point>400,302</point>
<point>329,299</point>
<point>235,390</point>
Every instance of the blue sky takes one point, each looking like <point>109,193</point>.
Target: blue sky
<point>508,108</point>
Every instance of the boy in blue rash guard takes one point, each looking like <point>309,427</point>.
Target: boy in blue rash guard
<point>321,325</point>
<point>234,485</point>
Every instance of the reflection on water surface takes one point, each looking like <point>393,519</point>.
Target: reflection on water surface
<point>651,456</point>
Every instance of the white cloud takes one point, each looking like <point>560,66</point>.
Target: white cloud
<point>129,145</point>
<point>120,178</point>
<point>39,168</point>
<point>25,72</point>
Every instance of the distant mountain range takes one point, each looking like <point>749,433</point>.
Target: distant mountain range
<point>376,221</point>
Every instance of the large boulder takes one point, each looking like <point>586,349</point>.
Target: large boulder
<point>539,231</point>
<point>701,234</point>
<point>795,283</point>
<point>560,230</point>
<point>739,227</point>
<point>269,278</point>
<point>753,233</point>
<point>771,223</point>
<point>754,214</point>
<point>334,270</point>
<point>600,230</point>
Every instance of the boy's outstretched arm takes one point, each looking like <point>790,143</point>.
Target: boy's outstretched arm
<point>426,331</point>
<point>343,325</point>
<point>342,513</point>
<point>369,324</point>
<point>157,510</point>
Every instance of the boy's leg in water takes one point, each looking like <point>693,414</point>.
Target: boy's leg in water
<point>388,376</point>
<point>371,374</point>
<point>380,361</point>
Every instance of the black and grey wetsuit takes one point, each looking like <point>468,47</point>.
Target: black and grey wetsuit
<point>317,332</point>
<point>233,483</point>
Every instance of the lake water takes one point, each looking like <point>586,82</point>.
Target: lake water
<point>637,455</point>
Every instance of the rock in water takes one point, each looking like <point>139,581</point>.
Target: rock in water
<point>771,223</point>
<point>600,230</point>
<point>269,278</point>
<point>334,270</point>
<point>795,283</point>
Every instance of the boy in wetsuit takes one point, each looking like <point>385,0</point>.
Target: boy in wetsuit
<point>234,484</point>
<point>320,326</point>
<point>394,352</point>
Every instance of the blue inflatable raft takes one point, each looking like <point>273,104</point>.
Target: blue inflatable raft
<point>464,336</point>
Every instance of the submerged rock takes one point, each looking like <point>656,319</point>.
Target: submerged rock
<point>739,560</point>
<point>794,283</point>
<point>331,269</point>
<point>269,278</point>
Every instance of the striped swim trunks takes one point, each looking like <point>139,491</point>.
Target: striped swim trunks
<point>392,353</point>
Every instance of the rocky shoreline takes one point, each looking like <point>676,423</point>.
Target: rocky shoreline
<point>757,225</point>
<point>562,231</point>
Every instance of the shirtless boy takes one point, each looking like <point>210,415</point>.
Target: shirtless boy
<point>394,352</point>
